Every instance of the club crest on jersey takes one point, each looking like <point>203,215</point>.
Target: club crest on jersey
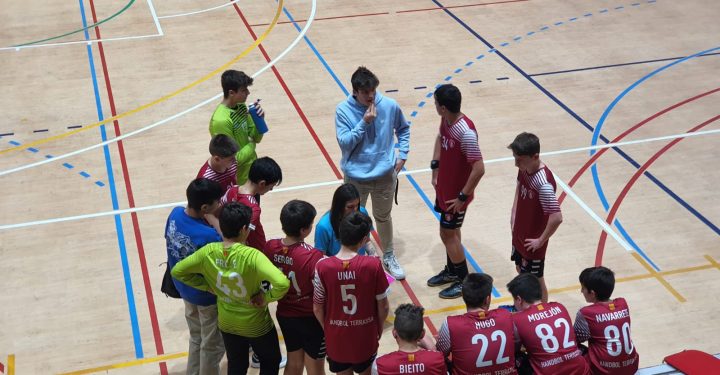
<point>525,193</point>
<point>411,357</point>
<point>611,307</point>
<point>346,264</point>
<point>285,249</point>
<point>447,143</point>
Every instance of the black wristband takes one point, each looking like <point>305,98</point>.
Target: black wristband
<point>462,197</point>
<point>434,164</point>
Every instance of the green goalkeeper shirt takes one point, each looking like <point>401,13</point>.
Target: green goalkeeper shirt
<point>235,274</point>
<point>237,123</point>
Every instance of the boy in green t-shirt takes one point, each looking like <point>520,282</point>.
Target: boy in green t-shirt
<point>234,272</point>
<point>232,117</point>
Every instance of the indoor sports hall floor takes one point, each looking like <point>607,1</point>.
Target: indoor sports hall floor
<point>82,220</point>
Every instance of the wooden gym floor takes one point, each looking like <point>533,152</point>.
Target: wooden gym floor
<point>81,281</point>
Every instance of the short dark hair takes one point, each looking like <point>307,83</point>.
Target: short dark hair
<point>525,144</point>
<point>476,288</point>
<point>234,80</point>
<point>409,322</point>
<point>223,145</point>
<point>234,217</point>
<point>526,286</point>
<point>449,97</point>
<point>265,169</point>
<point>296,215</point>
<point>202,191</point>
<point>343,194</point>
<point>364,79</point>
<point>354,227</point>
<point>600,280</point>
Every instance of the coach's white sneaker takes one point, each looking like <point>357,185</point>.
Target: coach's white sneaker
<point>393,267</point>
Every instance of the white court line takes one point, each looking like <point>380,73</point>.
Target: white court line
<point>155,17</point>
<point>179,114</point>
<point>199,11</point>
<point>605,226</point>
<point>18,48</point>
<point>416,171</point>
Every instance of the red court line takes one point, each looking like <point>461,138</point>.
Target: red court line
<point>597,155</point>
<point>292,98</point>
<point>399,11</point>
<point>319,143</point>
<point>131,201</point>
<point>631,182</point>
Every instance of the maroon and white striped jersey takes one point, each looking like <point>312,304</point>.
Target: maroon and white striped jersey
<point>297,262</point>
<point>225,179</point>
<point>536,200</point>
<point>459,150</point>
<point>606,327</point>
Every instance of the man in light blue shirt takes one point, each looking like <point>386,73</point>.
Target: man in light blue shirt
<point>366,126</point>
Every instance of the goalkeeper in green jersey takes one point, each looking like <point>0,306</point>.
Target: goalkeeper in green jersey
<point>232,118</point>
<point>234,272</point>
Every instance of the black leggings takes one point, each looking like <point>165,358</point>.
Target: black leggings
<point>267,348</point>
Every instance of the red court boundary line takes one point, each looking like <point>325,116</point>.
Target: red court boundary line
<point>131,201</point>
<point>294,102</point>
<point>597,155</point>
<point>319,143</point>
<point>631,182</point>
<point>399,11</point>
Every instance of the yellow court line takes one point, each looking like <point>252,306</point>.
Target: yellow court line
<point>163,98</point>
<point>659,277</point>
<point>137,362</point>
<point>712,261</point>
<point>11,364</point>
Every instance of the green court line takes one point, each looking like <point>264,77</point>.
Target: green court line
<point>126,7</point>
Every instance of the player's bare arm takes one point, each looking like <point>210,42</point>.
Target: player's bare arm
<point>436,156</point>
<point>319,311</point>
<point>383,307</point>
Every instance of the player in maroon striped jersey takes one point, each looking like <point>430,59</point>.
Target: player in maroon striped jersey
<point>481,341</point>
<point>545,330</point>
<point>350,300</point>
<point>264,175</point>
<point>304,337</point>
<point>605,325</point>
<point>221,166</point>
<point>535,214</point>
<point>412,357</point>
<point>457,167</point>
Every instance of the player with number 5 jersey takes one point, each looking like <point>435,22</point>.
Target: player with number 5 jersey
<point>350,299</point>
<point>545,330</point>
<point>605,325</point>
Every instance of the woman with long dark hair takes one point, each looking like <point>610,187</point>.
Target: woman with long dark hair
<point>346,199</point>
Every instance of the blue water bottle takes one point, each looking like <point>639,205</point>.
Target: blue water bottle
<point>259,121</point>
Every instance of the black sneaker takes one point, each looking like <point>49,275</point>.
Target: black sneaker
<point>453,291</point>
<point>444,277</point>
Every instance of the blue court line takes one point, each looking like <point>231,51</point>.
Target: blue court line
<point>410,178</point>
<point>35,151</point>
<point>113,194</point>
<point>606,113</point>
<point>616,65</point>
<point>567,109</point>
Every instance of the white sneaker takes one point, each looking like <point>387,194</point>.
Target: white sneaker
<point>393,267</point>
<point>255,361</point>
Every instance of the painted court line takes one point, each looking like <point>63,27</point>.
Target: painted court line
<point>170,118</point>
<point>338,182</point>
<point>89,42</point>
<point>199,11</point>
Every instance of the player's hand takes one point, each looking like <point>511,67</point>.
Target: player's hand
<point>259,109</point>
<point>370,114</point>
<point>455,206</point>
<point>532,244</point>
<point>258,300</point>
<point>399,165</point>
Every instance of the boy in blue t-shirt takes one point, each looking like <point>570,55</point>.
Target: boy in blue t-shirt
<point>185,232</point>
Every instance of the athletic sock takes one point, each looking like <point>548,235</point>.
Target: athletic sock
<point>461,270</point>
